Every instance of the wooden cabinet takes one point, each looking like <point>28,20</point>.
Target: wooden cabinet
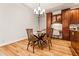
<point>65,23</point>
<point>74,37</point>
<point>69,16</point>
<point>74,16</point>
<point>48,22</point>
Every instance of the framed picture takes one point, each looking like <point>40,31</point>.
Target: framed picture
<point>54,19</point>
<point>59,18</point>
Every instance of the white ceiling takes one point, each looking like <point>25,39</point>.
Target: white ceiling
<point>43,5</point>
<point>51,6</point>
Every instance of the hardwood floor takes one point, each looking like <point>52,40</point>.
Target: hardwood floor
<point>59,48</point>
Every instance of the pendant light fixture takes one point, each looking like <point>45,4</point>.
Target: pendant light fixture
<point>39,11</point>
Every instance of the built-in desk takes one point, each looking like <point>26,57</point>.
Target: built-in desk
<point>74,37</point>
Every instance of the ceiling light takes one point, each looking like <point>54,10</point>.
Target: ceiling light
<point>39,10</point>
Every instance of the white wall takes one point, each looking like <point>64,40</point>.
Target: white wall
<point>14,19</point>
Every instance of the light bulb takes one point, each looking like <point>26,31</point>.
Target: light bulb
<point>42,11</point>
<point>39,8</point>
<point>34,10</point>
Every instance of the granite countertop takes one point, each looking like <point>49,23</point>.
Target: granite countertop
<point>74,30</point>
<point>74,27</point>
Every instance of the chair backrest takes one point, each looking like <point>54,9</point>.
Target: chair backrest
<point>29,33</point>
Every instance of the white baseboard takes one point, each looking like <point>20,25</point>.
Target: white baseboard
<point>12,42</point>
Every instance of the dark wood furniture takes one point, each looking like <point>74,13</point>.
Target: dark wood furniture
<point>74,37</point>
<point>41,42</point>
<point>44,41</point>
<point>48,40</point>
<point>74,34</point>
<point>65,23</point>
<point>31,39</point>
<point>74,19</point>
<point>48,23</point>
<point>69,16</point>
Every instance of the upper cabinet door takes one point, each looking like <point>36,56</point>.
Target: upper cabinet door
<point>65,23</point>
<point>74,16</point>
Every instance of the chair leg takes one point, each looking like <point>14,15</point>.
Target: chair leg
<point>50,42</point>
<point>49,45</point>
<point>33,47</point>
<point>28,45</point>
<point>41,45</point>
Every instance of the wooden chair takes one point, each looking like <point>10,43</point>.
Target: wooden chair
<point>31,39</point>
<point>48,40</point>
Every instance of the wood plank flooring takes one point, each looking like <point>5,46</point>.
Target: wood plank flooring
<point>59,48</point>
